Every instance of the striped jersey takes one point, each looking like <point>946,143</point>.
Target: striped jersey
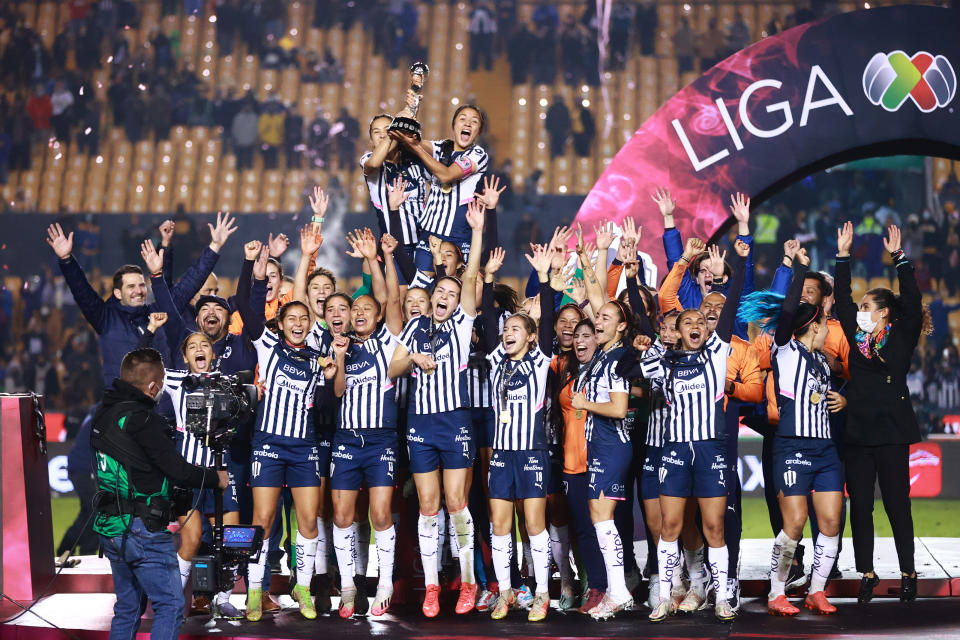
<point>659,417</point>
<point>598,379</point>
<point>369,400</point>
<point>325,415</point>
<point>191,448</point>
<point>289,377</point>
<point>802,380</point>
<point>519,391</point>
<point>693,386</point>
<point>412,208</point>
<point>422,281</point>
<point>446,211</point>
<point>444,388</point>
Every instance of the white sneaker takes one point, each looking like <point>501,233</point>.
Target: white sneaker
<point>608,608</point>
<point>653,597</point>
<point>694,599</point>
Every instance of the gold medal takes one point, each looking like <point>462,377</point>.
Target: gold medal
<point>446,188</point>
<point>579,414</point>
<point>505,417</point>
<point>815,397</point>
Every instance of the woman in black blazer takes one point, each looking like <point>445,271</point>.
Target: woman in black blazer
<point>883,332</point>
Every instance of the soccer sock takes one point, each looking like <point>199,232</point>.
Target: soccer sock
<point>463,525</point>
<point>453,543</point>
<point>386,541</point>
<point>363,547</point>
<point>825,552</point>
<point>323,549</point>
<point>428,530</point>
<point>344,543</point>
<point>695,569</point>
<point>255,570</point>
<point>668,557</point>
<point>501,548</point>
<point>185,566</point>
<point>719,569</point>
<point>527,556</point>
<point>442,533</point>
<point>611,547</point>
<point>540,550</point>
<point>306,558</point>
<point>780,560</point>
<point>560,548</point>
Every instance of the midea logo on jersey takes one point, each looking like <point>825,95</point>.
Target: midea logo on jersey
<point>891,78</point>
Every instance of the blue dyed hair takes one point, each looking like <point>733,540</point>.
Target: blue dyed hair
<point>763,307</point>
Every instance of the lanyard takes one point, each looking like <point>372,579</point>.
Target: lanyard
<point>506,377</point>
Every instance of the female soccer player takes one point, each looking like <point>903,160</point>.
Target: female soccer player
<point>439,432</point>
<point>805,458</point>
<point>520,464</point>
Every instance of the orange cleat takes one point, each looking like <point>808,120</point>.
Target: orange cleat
<point>431,603</point>
<point>780,606</point>
<point>817,602</point>
<point>468,597</point>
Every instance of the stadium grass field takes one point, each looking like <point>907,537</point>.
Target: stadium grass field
<point>932,518</point>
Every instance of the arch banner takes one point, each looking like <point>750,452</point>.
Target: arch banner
<point>865,83</point>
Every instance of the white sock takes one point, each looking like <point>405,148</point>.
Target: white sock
<point>501,548</point>
<point>695,568</point>
<point>560,549</point>
<point>453,544</point>
<point>428,531</point>
<point>780,560</point>
<point>540,550</point>
<point>463,525</point>
<point>612,549</point>
<point>344,544</point>
<point>185,566</point>
<point>386,541</point>
<point>255,570</point>
<point>442,535</point>
<point>363,547</point>
<point>323,548</point>
<point>668,558</point>
<point>719,568</point>
<point>306,549</point>
<point>824,554</point>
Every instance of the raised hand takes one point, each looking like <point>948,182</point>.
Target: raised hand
<point>260,265</point>
<point>490,195</point>
<point>580,246</point>
<point>844,239</point>
<point>151,258</point>
<point>603,234</point>
<point>61,244</point>
<point>475,215</point>
<point>892,242</point>
<point>695,246</point>
<point>802,257</point>
<point>166,232</point>
<point>742,248</point>
<point>226,227</point>
<point>368,245</point>
<point>495,261</point>
<point>310,238</point>
<point>558,246</point>
<point>790,248</point>
<point>631,268</point>
<point>740,208</point>
<point>319,202</point>
<point>540,261</point>
<point>251,250</point>
<point>641,343</point>
<point>631,232</point>
<point>577,290</point>
<point>534,311</point>
<point>354,239</point>
<point>664,201</point>
<point>397,193</point>
<point>277,245</point>
<point>716,260</point>
<point>434,243</point>
<point>388,244</point>
<point>156,320</point>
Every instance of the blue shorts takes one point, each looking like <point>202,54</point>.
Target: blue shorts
<point>440,440</point>
<point>802,465</point>
<point>279,461</point>
<point>650,477</point>
<point>517,475</point>
<point>694,469</point>
<point>324,446</point>
<point>363,457</point>
<point>484,422</point>
<point>608,465</point>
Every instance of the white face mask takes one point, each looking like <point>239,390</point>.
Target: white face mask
<point>865,322</point>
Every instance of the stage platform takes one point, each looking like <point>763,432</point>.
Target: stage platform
<point>86,611</point>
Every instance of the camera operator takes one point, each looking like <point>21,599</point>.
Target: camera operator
<point>137,466</point>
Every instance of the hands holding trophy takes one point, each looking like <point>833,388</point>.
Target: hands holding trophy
<point>406,122</point>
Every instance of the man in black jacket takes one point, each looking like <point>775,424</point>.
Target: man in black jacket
<point>137,466</point>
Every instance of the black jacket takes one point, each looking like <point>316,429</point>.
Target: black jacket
<point>879,410</point>
<point>150,430</point>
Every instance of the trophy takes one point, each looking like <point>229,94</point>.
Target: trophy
<point>409,124</point>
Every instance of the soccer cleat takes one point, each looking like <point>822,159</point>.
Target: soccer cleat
<point>867,585</point>
<point>780,606</point>
<point>724,611</point>
<point>818,603</point>
<point>301,595</point>
<point>505,600</point>
<point>653,592</point>
<point>320,588</point>
<point>486,600</point>
<point>662,611</point>
<point>381,601</point>
<point>733,589</point>
<point>431,604</point>
<point>677,595</point>
<point>254,605</point>
<point>538,610</point>
<point>348,603</point>
<point>796,578</point>
<point>567,599</point>
<point>591,598</point>
<point>524,597</point>
<point>468,598</point>
<point>362,603</point>
<point>200,606</point>
<point>608,608</point>
<point>226,611</point>
<point>693,600</point>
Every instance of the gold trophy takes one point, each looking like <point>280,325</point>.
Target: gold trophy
<point>408,124</point>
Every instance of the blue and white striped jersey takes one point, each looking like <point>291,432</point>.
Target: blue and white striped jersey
<point>369,401</point>
<point>289,377</point>
<point>446,211</point>
<point>445,388</point>
<point>693,385</point>
<point>192,449</point>
<point>598,379</point>
<point>802,380</point>
<point>659,418</point>
<point>519,392</point>
<point>411,210</point>
<point>478,371</point>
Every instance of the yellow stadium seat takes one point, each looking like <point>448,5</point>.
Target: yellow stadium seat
<point>226,198</point>
<point>858,287</point>
<point>116,199</point>
<point>272,191</point>
<point>144,153</point>
<point>248,73</point>
<point>290,86</point>
<point>293,186</point>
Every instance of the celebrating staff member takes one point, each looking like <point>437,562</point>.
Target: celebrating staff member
<point>881,424</point>
<point>439,433</point>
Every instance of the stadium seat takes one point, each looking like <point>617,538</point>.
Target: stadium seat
<point>294,183</point>
<point>272,191</point>
<point>248,73</point>
<point>290,87</point>
<point>858,287</point>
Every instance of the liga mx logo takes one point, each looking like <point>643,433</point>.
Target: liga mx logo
<point>891,78</point>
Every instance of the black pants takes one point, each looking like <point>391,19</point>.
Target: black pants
<point>80,534</point>
<point>890,465</point>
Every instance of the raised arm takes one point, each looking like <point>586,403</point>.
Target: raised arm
<point>911,314</point>
<point>310,242</point>
<point>792,300</point>
<point>166,229</point>
<point>254,318</point>
<point>188,286</point>
<point>540,261</point>
<point>604,237</point>
<point>594,293</point>
<point>468,294</point>
<point>845,307</point>
<point>669,293</point>
<point>729,314</point>
<point>380,152</point>
<point>424,154</point>
<point>173,325</point>
<point>636,300</point>
<point>91,305</point>
<point>393,309</point>
<point>489,318</point>
<point>489,197</point>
